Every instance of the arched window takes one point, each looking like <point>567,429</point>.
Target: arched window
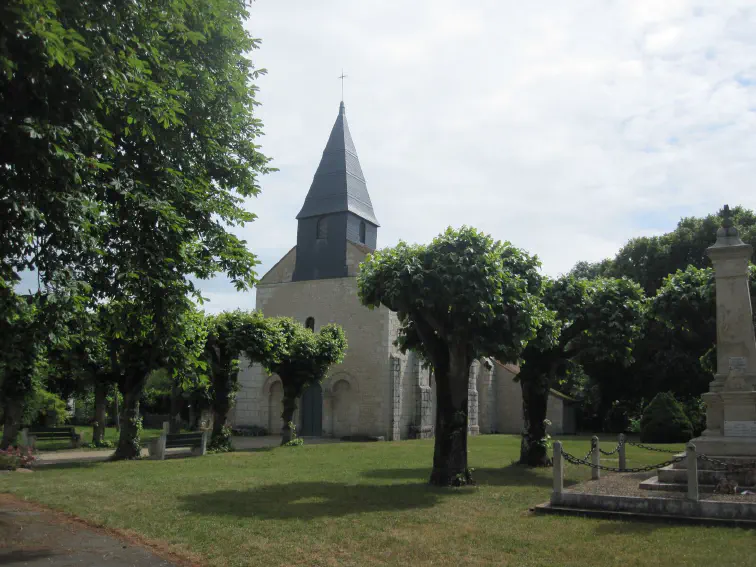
<point>322,228</point>
<point>362,232</point>
<point>310,323</point>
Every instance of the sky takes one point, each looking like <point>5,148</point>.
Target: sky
<point>566,128</point>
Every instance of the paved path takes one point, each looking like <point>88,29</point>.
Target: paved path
<point>34,537</point>
<point>99,455</point>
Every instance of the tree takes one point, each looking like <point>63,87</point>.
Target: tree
<point>300,358</point>
<point>595,320</point>
<point>459,298</point>
<point>229,335</point>
<point>648,260</point>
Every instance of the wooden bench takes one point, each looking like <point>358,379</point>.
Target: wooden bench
<point>196,441</point>
<point>30,435</point>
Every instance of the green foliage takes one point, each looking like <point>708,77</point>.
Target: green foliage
<point>595,321</point>
<point>664,421</point>
<point>229,334</point>
<point>300,355</point>
<point>222,442</point>
<point>295,441</point>
<point>45,408</point>
<point>463,296</point>
<point>462,289</point>
<point>649,260</point>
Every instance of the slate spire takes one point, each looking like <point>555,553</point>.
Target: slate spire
<point>339,184</point>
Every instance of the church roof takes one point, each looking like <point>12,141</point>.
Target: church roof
<point>339,184</point>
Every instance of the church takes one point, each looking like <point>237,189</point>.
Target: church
<point>377,391</point>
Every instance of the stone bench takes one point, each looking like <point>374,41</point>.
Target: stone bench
<point>196,441</point>
<point>30,435</point>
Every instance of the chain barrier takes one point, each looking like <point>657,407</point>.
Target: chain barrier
<point>609,453</point>
<point>577,461</point>
<point>642,446</point>
<point>728,466</point>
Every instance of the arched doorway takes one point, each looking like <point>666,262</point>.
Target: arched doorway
<point>312,411</point>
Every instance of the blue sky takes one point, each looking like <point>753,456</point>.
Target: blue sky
<point>564,127</point>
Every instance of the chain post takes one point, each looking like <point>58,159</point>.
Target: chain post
<point>595,458</point>
<point>558,468</point>
<point>691,462</point>
<point>622,456</point>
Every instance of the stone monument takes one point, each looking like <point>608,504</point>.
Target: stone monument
<point>731,400</point>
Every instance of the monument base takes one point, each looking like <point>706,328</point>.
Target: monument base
<point>725,446</point>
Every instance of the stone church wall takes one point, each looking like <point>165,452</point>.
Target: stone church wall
<point>357,392</point>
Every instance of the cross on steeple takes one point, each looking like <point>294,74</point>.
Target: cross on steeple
<point>342,77</point>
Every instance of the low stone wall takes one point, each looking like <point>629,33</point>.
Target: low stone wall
<point>662,506</point>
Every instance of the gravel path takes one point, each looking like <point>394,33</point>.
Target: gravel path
<point>35,537</point>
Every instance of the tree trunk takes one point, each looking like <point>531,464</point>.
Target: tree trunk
<point>13,411</point>
<point>129,446</point>
<point>98,429</point>
<point>221,407</point>
<point>177,401</point>
<point>116,409</point>
<point>289,407</point>
<point>450,451</point>
<point>535,398</point>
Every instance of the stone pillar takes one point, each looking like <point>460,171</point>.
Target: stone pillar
<point>472,399</point>
<point>396,398</point>
<point>621,451</point>
<point>731,400</point>
<point>691,462</point>
<point>558,470</point>
<point>422,424</point>
<point>486,398</point>
<point>595,458</point>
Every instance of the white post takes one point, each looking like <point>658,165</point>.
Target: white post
<point>163,440</point>
<point>622,457</point>
<point>595,458</point>
<point>558,468</point>
<point>203,446</point>
<point>691,462</point>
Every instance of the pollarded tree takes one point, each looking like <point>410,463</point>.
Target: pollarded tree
<point>462,297</point>
<point>230,334</point>
<point>300,358</point>
<point>596,319</point>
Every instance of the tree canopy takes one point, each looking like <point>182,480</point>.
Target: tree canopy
<point>461,297</point>
<point>596,320</point>
<point>300,357</point>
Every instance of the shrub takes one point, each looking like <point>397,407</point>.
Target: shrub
<point>695,409</point>
<point>11,459</point>
<point>45,408</point>
<point>664,421</point>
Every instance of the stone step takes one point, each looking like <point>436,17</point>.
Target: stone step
<point>672,475</point>
<point>706,465</point>
<point>654,483</point>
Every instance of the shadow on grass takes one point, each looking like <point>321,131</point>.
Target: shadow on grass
<point>631,526</point>
<point>511,475</point>
<point>308,500</point>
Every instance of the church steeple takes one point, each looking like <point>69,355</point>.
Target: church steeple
<point>339,184</point>
<point>337,209</point>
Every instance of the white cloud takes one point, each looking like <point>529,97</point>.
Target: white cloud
<point>564,127</point>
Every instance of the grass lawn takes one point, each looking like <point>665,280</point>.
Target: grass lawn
<point>367,504</point>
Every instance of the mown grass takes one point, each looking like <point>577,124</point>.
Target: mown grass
<point>367,504</point>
